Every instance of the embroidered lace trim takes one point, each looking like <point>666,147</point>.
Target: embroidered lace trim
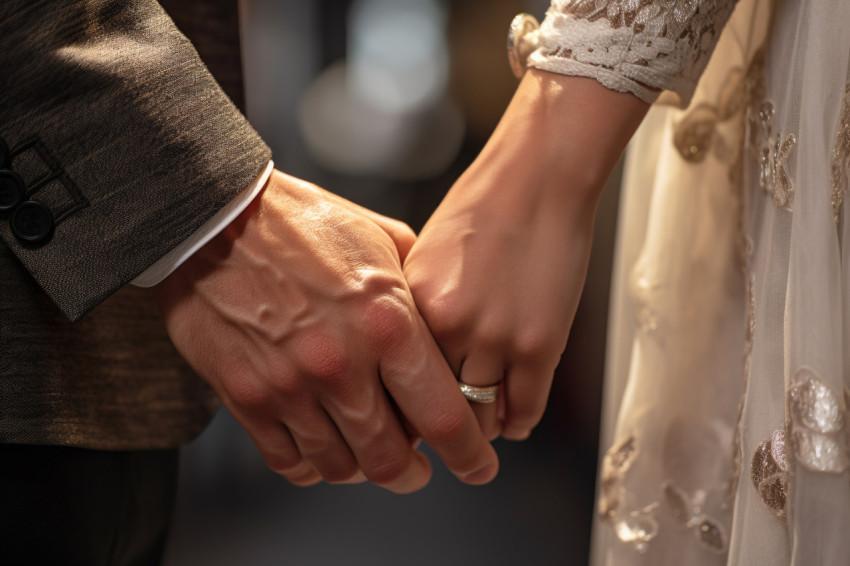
<point>841,157</point>
<point>636,46</point>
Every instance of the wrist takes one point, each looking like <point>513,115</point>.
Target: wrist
<point>570,130</point>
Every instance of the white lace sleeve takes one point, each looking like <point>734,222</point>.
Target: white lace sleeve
<point>636,46</point>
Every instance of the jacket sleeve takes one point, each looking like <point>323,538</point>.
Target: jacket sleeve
<point>636,46</point>
<point>118,143</point>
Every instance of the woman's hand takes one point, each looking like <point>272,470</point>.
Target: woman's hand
<point>498,270</point>
<point>498,281</point>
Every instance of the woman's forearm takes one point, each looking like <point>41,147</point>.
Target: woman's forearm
<point>563,135</point>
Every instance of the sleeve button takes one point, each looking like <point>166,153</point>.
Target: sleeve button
<point>11,190</point>
<point>32,223</point>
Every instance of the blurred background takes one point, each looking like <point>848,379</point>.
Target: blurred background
<point>386,102</point>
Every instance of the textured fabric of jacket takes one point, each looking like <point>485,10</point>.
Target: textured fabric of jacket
<point>115,125</point>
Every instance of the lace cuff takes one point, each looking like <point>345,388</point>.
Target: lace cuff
<point>636,46</point>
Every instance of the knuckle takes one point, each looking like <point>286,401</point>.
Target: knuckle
<point>246,393</point>
<point>492,334</point>
<point>282,379</point>
<point>445,315</point>
<point>446,426</point>
<point>387,320</point>
<point>443,320</point>
<point>324,361</point>
<point>287,386</point>
<point>537,344</point>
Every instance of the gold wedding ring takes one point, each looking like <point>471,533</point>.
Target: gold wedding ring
<point>477,394</point>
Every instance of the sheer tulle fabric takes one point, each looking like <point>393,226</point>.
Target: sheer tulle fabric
<point>725,435</point>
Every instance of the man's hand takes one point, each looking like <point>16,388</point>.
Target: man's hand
<point>299,317</point>
<point>498,270</point>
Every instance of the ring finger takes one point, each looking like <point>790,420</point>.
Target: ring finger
<point>484,371</point>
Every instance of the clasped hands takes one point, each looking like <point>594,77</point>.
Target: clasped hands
<point>301,318</point>
<point>336,337</point>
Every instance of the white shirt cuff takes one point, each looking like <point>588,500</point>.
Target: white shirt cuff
<point>209,230</point>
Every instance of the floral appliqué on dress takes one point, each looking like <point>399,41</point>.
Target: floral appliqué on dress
<point>697,135</point>
<point>815,437</point>
<point>637,527</point>
<point>817,424</point>
<point>772,152</point>
<point>688,512</point>
<point>771,472</point>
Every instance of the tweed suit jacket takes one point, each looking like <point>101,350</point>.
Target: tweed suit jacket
<point>127,144</point>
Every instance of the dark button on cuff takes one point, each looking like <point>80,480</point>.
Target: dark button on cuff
<point>5,155</point>
<point>32,223</point>
<point>11,190</point>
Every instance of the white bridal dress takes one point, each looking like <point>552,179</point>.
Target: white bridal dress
<point>725,433</point>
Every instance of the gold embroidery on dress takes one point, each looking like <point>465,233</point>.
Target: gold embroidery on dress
<point>751,88</point>
<point>737,452</point>
<point>636,527</point>
<point>771,149</point>
<point>841,157</point>
<point>616,463</point>
<point>697,135</point>
<point>771,472</point>
<point>772,154</point>
<point>737,457</point>
<point>751,324</point>
<point>817,424</point>
<point>688,512</point>
<point>745,252</point>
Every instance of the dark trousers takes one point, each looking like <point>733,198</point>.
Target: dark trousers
<point>70,506</point>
